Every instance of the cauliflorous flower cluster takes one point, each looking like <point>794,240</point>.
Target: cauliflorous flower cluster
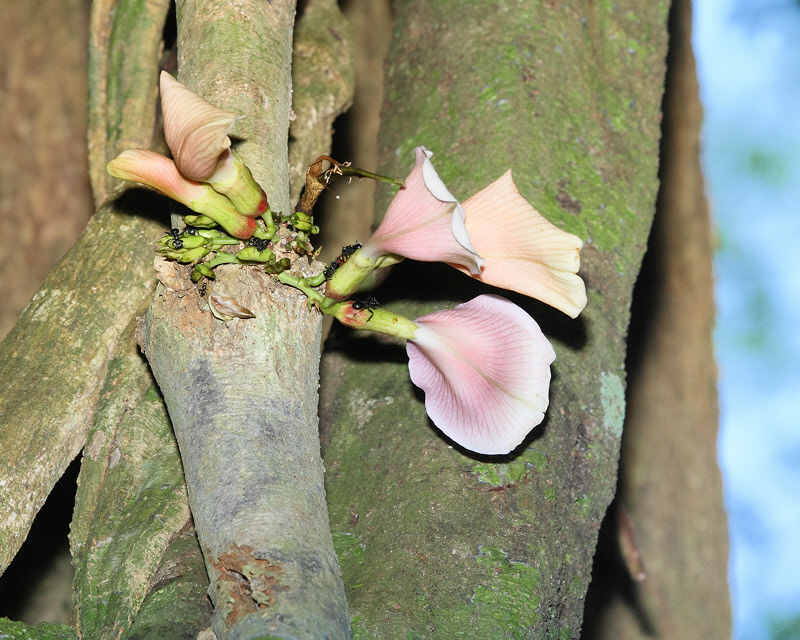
<point>485,365</point>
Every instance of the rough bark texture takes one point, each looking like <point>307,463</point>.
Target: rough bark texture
<point>44,193</point>
<point>670,516</point>
<point>238,56</point>
<point>75,320</point>
<point>124,50</point>
<point>55,357</point>
<point>131,498</point>
<point>435,542</point>
<point>176,606</point>
<point>322,71</point>
<point>43,631</point>
<point>242,396</point>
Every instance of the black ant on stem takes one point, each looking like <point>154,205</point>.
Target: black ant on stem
<point>370,303</point>
<point>347,251</point>
<point>177,243</point>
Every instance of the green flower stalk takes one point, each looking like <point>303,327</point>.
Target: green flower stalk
<point>358,315</point>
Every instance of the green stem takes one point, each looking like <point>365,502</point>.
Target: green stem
<point>304,284</point>
<point>221,258</point>
<point>270,224</point>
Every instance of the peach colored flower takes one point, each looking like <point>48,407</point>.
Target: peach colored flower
<point>160,173</point>
<point>196,130</point>
<point>197,134</point>
<point>523,251</point>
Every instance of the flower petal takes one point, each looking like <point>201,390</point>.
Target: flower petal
<point>156,171</point>
<point>160,173</point>
<point>524,252</point>
<point>424,222</point>
<point>196,130</point>
<point>485,370</point>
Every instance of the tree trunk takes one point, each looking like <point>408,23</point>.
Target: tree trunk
<point>242,395</point>
<point>44,192</point>
<point>55,358</point>
<point>434,541</point>
<point>662,571</point>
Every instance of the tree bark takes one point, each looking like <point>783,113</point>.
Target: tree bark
<point>434,541</point>
<point>242,395</point>
<point>45,199</point>
<point>131,500</point>
<point>663,569</point>
<point>75,320</point>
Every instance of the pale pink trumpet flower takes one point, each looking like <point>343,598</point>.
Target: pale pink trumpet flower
<point>485,369</point>
<point>424,222</point>
<point>196,130</point>
<point>496,236</point>
<point>160,173</point>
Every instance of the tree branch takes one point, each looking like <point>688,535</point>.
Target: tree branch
<point>242,395</point>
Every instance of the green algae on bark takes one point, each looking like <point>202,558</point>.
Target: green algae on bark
<point>78,314</point>
<point>569,98</point>
<point>131,498</point>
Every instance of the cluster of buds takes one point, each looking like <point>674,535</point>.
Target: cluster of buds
<point>485,365</point>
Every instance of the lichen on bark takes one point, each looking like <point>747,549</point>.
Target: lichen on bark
<point>569,97</point>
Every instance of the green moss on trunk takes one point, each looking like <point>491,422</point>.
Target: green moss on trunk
<point>454,544</point>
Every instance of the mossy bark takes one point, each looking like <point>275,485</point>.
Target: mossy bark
<point>323,78</point>
<point>54,359</point>
<point>436,542</point>
<point>43,631</point>
<point>662,571</point>
<point>125,45</point>
<point>131,498</point>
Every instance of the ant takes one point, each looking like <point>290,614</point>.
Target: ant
<point>177,243</point>
<point>259,243</point>
<point>347,251</point>
<point>203,288</point>
<point>370,303</point>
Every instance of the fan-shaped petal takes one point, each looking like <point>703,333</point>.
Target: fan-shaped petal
<point>485,370</point>
<point>196,130</point>
<point>524,252</point>
<point>156,171</point>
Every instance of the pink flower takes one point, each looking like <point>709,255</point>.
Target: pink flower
<point>197,134</point>
<point>523,251</point>
<point>160,173</point>
<point>196,130</point>
<point>424,222</point>
<point>485,370</point>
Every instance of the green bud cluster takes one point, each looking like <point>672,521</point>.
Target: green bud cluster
<point>201,244</point>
